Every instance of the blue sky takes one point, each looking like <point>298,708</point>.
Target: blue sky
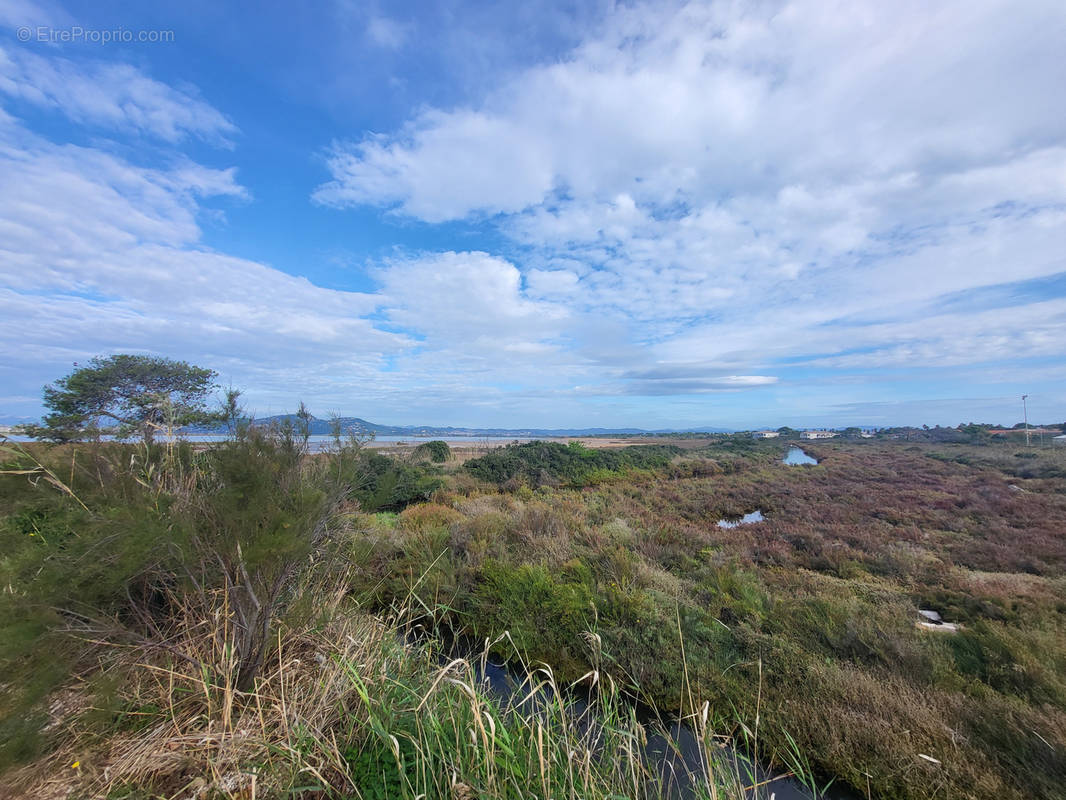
<point>706,214</point>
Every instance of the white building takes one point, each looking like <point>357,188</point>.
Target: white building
<point>817,434</point>
<point>765,435</point>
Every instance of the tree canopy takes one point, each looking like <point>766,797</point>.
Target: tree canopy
<point>126,395</point>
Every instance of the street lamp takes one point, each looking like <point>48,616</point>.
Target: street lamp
<point>1025,416</point>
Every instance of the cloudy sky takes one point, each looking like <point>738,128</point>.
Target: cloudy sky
<point>725,214</point>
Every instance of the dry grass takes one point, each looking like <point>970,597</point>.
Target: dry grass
<point>183,731</point>
<point>344,708</point>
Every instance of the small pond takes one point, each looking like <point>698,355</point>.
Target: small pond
<point>747,519</point>
<point>795,457</point>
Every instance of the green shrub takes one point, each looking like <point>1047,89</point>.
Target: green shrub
<point>544,463</point>
<point>436,451</point>
<point>386,484</point>
<point>545,616</point>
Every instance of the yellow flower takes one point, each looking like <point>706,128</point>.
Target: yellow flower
<point>75,765</point>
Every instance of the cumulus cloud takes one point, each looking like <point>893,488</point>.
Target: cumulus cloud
<point>465,296</point>
<point>742,183</point>
<point>99,255</point>
<point>116,96</point>
<point>442,176</point>
<point>714,98</point>
<point>697,200</point>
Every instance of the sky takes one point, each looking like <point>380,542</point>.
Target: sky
<point>549,214</point>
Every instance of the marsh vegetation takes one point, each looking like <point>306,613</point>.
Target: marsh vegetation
<point>183,621</point>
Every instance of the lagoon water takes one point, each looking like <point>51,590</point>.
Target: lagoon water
<point>796,457</point>
<point>747,519</point>
<point>319,442</point>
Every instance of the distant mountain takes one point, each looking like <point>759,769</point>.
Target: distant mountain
<point>361,427</point>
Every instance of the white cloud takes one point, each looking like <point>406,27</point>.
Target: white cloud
<point>698,200</point>
<point>716,98</point>
<point>449,169</point>
<point>472,302</point>
<point>68,206</point>
<point>667,381</point>
<point>735,182</point>
<point>14,13</point>
<point>98,255</point>
<point>1032,331</point>
<point>551,282</point>
<point>386,32</point>
<point>117,96</point>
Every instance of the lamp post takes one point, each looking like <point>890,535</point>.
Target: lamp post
<point>1025,416</point>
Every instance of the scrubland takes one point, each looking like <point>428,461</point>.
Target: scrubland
<point>129,576</point>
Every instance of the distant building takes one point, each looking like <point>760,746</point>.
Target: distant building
<point>817,434</point>
<point>765,435</point>
<point>1059,440</point>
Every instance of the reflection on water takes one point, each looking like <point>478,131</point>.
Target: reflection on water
<point>747,519</point>
<point>795,456</point>
<point>672,751</point>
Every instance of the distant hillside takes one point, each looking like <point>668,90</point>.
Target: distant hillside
<point>361,427</point>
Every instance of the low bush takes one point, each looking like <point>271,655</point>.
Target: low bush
<point>551,463</point>
<point>436,451</point>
